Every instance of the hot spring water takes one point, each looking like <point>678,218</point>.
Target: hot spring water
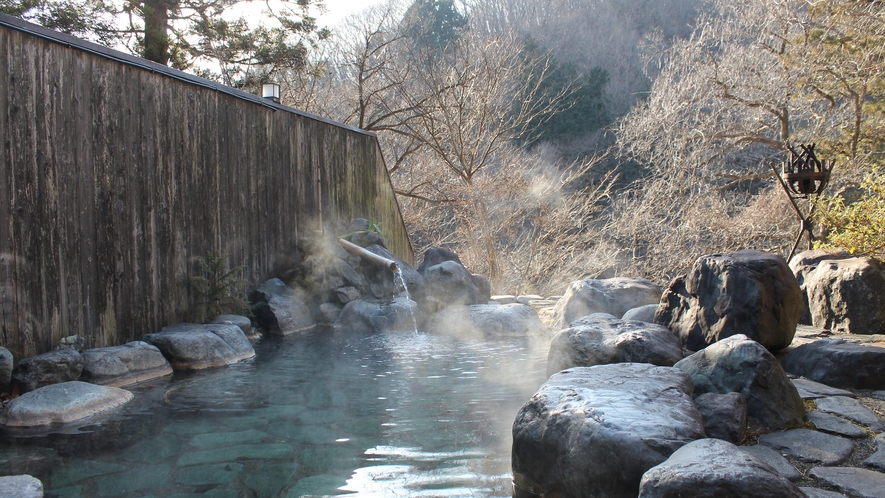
<point>394,414</point>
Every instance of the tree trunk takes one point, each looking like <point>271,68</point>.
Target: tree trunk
<point>156,30</point>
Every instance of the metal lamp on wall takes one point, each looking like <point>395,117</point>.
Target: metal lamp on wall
<point>271,91</point>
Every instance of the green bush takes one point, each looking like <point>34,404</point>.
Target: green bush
<point>215,290</point>
<point>858,227</point>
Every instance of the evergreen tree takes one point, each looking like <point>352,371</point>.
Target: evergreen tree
<point>195,35</point>
<point>434,23</point>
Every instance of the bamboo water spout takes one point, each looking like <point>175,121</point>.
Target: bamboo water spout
<point>369,256</point>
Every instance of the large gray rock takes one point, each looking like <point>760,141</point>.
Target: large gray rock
<point>725,416</point>
<point>366,316</point>
<point>62,403</point>
<point>6,362</point>
<point>190,346</point>
<point>806,262</point>
<point>279,311</point>
<point>594,431</point>
<point>450,283</point>
<point>123,365</point>
<point>436,255</point>
<point>487,321</point>
<point>614,296</point>
<point>838,363</point>
<point>714,468</point>
<point>600,338</point>
<point>739,365</point>
<point>382,276</point>
<point>23,486</point>
<point>48,368</point>
<point>749,292</point>
<point>643,313</point>
<point>846,296</point>
<point>241,321</point>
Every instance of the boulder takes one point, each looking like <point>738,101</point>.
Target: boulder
<point>642,313</point>
<point>504,298</point>
<point>725,416</point>
<point>279,311</point>
<point>484,285</point>
<point>189,346</point>
<point>436,255</point>
<point>749,292</point>
<point>328,313</point>
<point>806,262</point>
<point>846,296</point>
<point>363,234</point>
<point>527,298</point>
<point>74,342</point>
<point>600,338</point>
<point>244,322</point>
<point>62,403</point>
<point>123,365</point>
<point>347,294</point>
<point>712,467</point>
<point>740,365</point>
<point>23,486</point>
<point>614,296</point>
<point>838,363</point>
<point>48,368</point>
<point>366,316</point>
<point>6,363</point>
<point>450,283</point>
<point>381,279</point>
<point>594,431</point>
<point>487,321</point>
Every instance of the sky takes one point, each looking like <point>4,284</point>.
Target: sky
<point>339,9</point>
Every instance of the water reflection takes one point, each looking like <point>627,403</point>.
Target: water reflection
<point>397,414</point>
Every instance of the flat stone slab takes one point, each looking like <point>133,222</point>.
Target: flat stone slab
<point>190,346</point>
<point>837,425</point>
<point>820,493</point>
<point>62,403</point>
<point>852,481</point>
<point>23,486</point>
<point>809,446</point>
<point>877,459</point>
<point>810,389</point>
<point>853,410</point>
<point>774,459</point>
<point>130,363</point>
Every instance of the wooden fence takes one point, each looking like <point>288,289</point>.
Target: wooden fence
<point>117,173</point>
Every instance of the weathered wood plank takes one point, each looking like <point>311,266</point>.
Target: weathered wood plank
<point>114,180</point>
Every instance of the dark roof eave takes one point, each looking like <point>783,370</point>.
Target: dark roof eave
<point>102,51</point>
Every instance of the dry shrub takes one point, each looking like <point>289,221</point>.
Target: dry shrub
<point>663,233</point>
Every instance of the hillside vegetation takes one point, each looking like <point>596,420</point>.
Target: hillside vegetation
<point>550,140</point>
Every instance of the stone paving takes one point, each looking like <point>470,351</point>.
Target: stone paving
<point>841,452</point>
